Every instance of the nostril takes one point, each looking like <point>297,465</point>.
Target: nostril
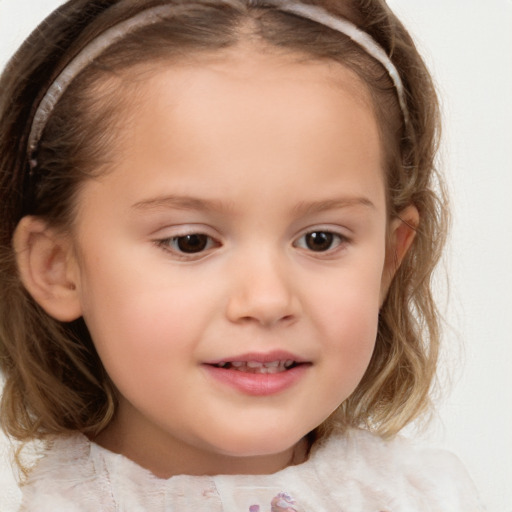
<point>268,320</point>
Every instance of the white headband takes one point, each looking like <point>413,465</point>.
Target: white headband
<point>155,14</point>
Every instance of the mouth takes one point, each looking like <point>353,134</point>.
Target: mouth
<point>258,367</point>
<point>258,374</point>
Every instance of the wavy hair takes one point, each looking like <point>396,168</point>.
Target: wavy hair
<point>55,381</point>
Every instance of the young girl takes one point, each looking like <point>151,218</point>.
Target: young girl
<point>219,225</point>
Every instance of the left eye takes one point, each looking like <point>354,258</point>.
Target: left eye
<point>188,244</point>
<point>319,241</point>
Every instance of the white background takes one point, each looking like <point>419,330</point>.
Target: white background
<point>468,45</point>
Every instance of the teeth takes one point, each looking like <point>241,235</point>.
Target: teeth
<point>257,366</point>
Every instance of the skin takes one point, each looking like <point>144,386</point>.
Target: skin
<point>254,151</point>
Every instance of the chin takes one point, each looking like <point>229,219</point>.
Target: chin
<point>262,444</point>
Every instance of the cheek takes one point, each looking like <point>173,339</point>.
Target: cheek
<point>352,336</point>
<point>143,322</point>
<point>348,317</point>
<point>135,318</point>
<point>143,346</point>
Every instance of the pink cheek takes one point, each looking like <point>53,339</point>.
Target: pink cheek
<point>352,331</point>
<point>158,332</point>
<point>353,319</point>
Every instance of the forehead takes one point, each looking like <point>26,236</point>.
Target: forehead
<point>241,115</point>
<point>254,69</point>
<point>262,72</point>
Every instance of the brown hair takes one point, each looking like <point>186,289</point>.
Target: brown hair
<point>55,381</point>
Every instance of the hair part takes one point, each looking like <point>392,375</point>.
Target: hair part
<point>55,381</point>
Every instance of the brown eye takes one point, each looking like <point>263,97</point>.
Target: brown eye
<point>319,241</point>
<point>191,244</point>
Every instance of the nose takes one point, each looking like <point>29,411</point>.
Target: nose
<point>263,292</point>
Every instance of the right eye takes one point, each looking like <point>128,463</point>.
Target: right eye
<point>192,243</point>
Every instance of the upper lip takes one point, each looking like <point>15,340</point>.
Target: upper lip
<point>260,357</point>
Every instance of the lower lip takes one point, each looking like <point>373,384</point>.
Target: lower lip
<point>258,384</point>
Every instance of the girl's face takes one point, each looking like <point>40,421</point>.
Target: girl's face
<point>231,265</point>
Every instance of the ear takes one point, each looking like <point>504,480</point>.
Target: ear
<point>401,233</point>
<point>47,268</point>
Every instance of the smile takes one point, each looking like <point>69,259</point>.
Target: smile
<point>259,374</point>
<point>257,366</point>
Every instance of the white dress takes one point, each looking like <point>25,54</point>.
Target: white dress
<point>358,472</point>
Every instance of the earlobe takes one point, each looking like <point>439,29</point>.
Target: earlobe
<point>47,268</point>
<point>401,236</point>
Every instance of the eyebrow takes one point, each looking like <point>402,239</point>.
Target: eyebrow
<point>310,208</point>
<point>181,203</point>
<point>207,205</point>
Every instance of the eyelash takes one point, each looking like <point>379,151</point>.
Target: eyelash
<point>333,238</point>
<point>171,244</point>
<point>334,241</point>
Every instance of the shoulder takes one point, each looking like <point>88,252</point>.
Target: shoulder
<point>428,479</point>
<point>65,479</point>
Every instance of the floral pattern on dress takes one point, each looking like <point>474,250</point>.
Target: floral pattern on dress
<point>283,502</point>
